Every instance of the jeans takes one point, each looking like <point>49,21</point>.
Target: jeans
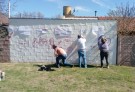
<point>82,54</point>
<point>63,58</point>
<point>102,55</point>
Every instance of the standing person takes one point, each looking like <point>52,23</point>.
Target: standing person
<point>60,54</point>
<point>104,51</point>
<point>81,50</point>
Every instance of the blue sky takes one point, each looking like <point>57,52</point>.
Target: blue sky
<point>52,8</point>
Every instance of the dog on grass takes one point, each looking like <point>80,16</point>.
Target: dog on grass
<point>46,68</point>
<point>2,75</point>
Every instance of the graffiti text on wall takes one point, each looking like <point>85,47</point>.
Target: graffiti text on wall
<point>36,42</point>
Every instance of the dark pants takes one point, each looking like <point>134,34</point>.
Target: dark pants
<point>63,58</point>
<point>102,56</point>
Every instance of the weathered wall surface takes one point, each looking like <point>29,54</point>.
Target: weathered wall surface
<point>31,39</point>
<point>126,50</point>
<point>4,44</point>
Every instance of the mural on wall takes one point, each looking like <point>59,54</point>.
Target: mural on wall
<point>98,30</point>
<point>63,31</point>
<point>33,43</point>
<point>96,33</point>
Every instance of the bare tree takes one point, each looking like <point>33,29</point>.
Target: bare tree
<point>29,15</point>
<point>4,6</point>
<point>58,16</point>
<point>40,15</point>
<point>125,16</point>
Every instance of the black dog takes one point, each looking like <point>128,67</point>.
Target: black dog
<point>47,68</point>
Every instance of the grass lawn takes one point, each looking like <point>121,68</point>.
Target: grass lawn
<point>25,77</point>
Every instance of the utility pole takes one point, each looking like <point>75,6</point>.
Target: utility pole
<point>8,8</point>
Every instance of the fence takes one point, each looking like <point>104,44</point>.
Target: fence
<point>126,50</point>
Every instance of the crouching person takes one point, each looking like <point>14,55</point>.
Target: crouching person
<point>60,54</point>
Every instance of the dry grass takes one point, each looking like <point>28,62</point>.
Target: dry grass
<point>25,77</point>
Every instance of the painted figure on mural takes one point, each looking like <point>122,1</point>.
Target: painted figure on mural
<point>60,54</point>
<point>81,48</point>
<point>104,50</point>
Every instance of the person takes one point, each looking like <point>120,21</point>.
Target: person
<point>104,51</point>
<point>60,54</point>
<point>81,48</point>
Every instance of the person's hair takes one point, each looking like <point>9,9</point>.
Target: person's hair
<point>54,46</point>
<point>79,36</point>
<point>103,40</point>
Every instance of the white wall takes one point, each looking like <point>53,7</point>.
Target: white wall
<point>32,43</point>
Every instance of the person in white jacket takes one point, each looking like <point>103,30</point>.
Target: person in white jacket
<point>81,48</point>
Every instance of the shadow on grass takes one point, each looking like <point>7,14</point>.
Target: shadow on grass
<point>45,67</point>
<point>91,66</point>
<point>49,67</point>
<point>88,66</point>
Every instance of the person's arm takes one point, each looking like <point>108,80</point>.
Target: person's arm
<point>99,44</point>
<point>55,53</point>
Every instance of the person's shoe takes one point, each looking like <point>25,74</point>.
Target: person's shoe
<point>58,66</point>
<point>72,66</point>
<point>102,67</point>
